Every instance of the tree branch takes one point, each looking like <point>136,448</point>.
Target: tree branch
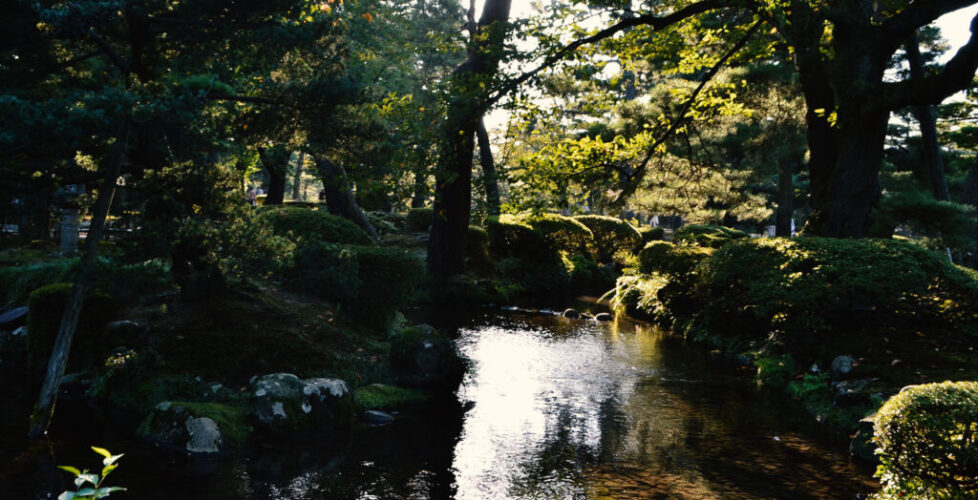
<point>957,75</point>
<point>110,51</point>
<point>656,23</point>
<point>899,27</point>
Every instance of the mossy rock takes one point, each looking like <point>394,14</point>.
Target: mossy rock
<point>423,357</point>
<point>196,428</point>
<point>707,235</point>
<point>283,404</point>
<point>386,397</point>
<point>45,307</point>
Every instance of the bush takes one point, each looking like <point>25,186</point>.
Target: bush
<point>707,235</point>
<point>611,235</point>
<point>307,225</point>
<point>510,238</point>
<point>419,219</point>
<point>370,283</point>
<point>562,233</point>
<point>45,307</point>
<point>674,260</point>
<point>652,233</point>
<point>928,442</point>
<point>585,275</point>
<point>807,288</point>
<point>131,281</point>
<point>534,277</point>
<point>477,249</point>
<point>385,222</point>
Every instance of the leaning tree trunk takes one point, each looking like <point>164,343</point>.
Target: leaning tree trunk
<point>453,180</point>
<point>276,164</point>
<point>340,200</point>
<point>489,178</point>
<point>934,175</point>
<point>44,409</point>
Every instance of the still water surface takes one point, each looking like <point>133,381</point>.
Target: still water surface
<point>551,409</point>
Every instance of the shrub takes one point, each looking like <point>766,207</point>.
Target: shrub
<point>807,288</point>
<point>510,237</point>
<point>370,283</point>
<point>477,249</point>
<point>674,260</point>
<point>307,225</point>
<point>45,307</point>
<point>611,235</point>
<point>385,222</point>
<point>534,277</point>
<point>585,275</point>
<point>637,295</point>
<point>928,441</point>
<point>707,235</point>
<point>419,219</point>
<point>130,281</point>
<point>562,233</point>
<point>652,233</point>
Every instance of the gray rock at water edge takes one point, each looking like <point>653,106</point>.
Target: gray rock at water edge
<point>603,317</point>
<point>376,418</point>
<point>283,403</point>
<point>841,366</point>
<point>14,317</point>
<point>849,393</point>
<point>172,426</point>
<point>862,445</point>
<point>571,314</point>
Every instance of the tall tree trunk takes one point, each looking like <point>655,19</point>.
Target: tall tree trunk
<point>297,179</point>
<point>969,196</point>
<point>933,162</point>
<point>340,199</point>
<point>420,191</point>
<point>453,192</point>
<point>489,178</point>
<point>276,163</point>
<point>44,409</point>
<point>786,198</point>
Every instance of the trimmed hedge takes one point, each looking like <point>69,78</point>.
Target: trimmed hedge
<point>928,442</point>
<point>667,258</point>
<point>652,233</point>
<point>419,219</point>
<point>307,225</point>
<point>510,237</point>
<point>45,307</point>
<point>611,235</point>
<point>809,289</point>
<point>707,235</point>
<point>562,233</point>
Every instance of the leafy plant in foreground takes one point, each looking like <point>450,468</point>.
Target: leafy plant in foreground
<point>90,485</point>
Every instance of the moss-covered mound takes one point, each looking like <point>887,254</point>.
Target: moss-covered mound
<point>611,235</point>
<point>308,225</point>
<point>419,219</point>
<point>386,397</point>
<point>652,233</point>
<point>707,235</point>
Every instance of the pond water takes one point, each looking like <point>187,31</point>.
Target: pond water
<point>551,409</point>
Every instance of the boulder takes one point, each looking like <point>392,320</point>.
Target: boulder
<point>841,366</point>
<point>603,317</point>
<point>196,428</point>
<point>423,357</point>
<point>862,445</point>
<point>849,393</point>
<point>376,418</point>
<point>572,314</point>
<point>282,403</point>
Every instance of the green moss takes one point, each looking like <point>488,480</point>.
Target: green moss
<point>386,397</point>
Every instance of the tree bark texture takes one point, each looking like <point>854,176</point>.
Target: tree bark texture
<point>276,163</point>
<point>934,176</point>
<point>786,198</point>
<point>467,102</point>
<point>44,410</point>
<point>340,200</point>
<point>297,179</point>
<point>490,180</point>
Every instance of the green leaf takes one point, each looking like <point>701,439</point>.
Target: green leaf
<point>85,477</point>
<point>68,495</point>
<point>104,492</point>
<point>108,469</point>
<point>70,469</point>
<point>101,451</point>
<point>111,460</point>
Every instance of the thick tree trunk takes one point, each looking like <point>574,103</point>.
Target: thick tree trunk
<point>419,196</point>
<point>453,193</point>
<point>340,199</point>
<point>44,409</point>
<point>297,179</point>
<point>489,178</point>
<point>276,164</point>
<point>969,196</point>
<point>934,165</point>
<point>786,198</point>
